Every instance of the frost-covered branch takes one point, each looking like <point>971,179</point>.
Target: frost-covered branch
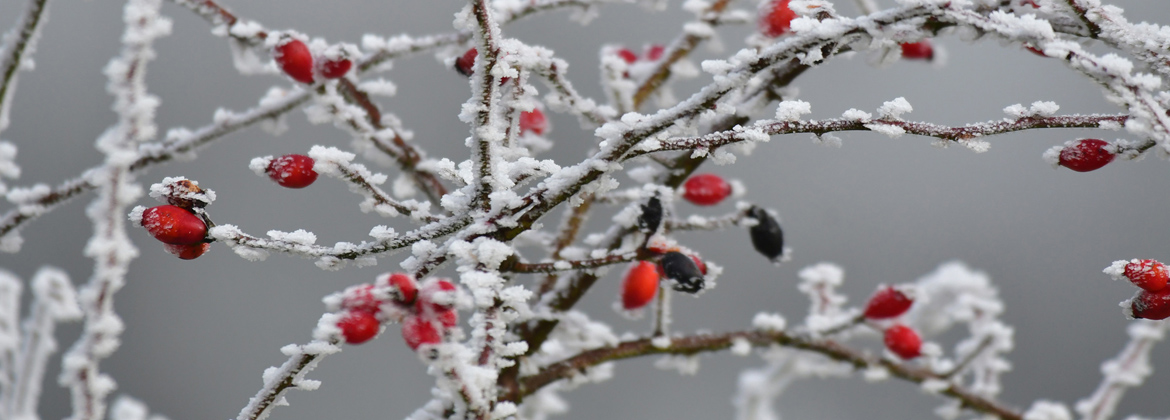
<point>486,130</point>
<point>303,243</point>
<point>702,343</point>
<point>336,163</point>
<point>291,375</point>
<point>890,126</point>
<point>54,301</point>
<point>1128,370</point>
<point>678,50</point>
<point>21,40</point>
<point>567,265</point>
<point>110,247</point>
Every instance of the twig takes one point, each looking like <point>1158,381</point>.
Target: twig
<point>677,50</point>
<point>567,265</point>
<point>949,133</point>
<point>1129,369</point>
<point>301,360</point>
<point>13,54</point>
<point>696,344</point>
<point>484,127</point>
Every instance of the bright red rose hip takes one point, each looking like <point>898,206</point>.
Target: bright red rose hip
<point>188,252</point>
<point>888,302</point>
<point>706,189</point>
<point>921,50</point>
<point>174,225</point>
<point>358,326</point>
<point>1150,275</point>
<point>1151,305</point>
<point>533,121</point>
<point>292,171</point>
<point>775,18</point>
<point>1086,155</point>
<point>903,341</point>
<point>640,285</point>
<point>295,59</point>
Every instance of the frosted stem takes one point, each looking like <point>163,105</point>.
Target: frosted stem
<point>54,300</point>
<point>1128,370</point>
<point>23,40</point>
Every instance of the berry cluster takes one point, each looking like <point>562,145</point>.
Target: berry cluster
<point>181,224</point>
<point>1152,300</point>
<point>427,312</point>
<point>891,302</point>
<point>296,60</point>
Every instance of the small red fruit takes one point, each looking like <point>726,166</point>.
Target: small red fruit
<point>775,18</point>
<point>465,64</point>
<point>1151,305</point>
<point>407,288</point>
<point>174,225</point>
<point>921,50</point>
<point>188,252</point>
<point>292,171</point>
<point>1086,155</point>
<point>706,189</point>
<point>627,55</point>
<point>333,69</point>
<point>358,326</point>
<point>887,302</point>
<point>417,331</point>
<point>426,304</point>
<point>294,58</point>
<point>640,285</point>
<point>448,318</point>
<point>1150,275</point>
<point>361,298</point>
<point>655,52</point>
<point>903,341</point>
<point>533,121</point>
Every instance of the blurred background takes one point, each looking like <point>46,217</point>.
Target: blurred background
<point>200,333</point>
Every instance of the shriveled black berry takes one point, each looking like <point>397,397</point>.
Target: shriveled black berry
<point>682,269</point>
<point>651,216</point>
<point>767,237</point>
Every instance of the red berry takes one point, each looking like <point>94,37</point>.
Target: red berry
<point>333,69</point>
<point>407,288</point>
<point>441,290</point>
<point>1151,305</point>
<point>655,52</point>
<point>921,50</point>
<point>188,252</point>
<point>775,18</point>
<point>533,121</point>
<point>706,189</point>
<point>417,331</point>
<point>640,285</point>
<point>294,58</point>
<point>903,341</point>
<point>448,318</point>
<point>360,298</point>
<point>292,171</point>
<point>1086,155</point>
<point>699,263</point>
<point>627,55</point>
<point>465,64</point>
<point>1150,275</point>
<point>358,326</point>
<point>887,302</point>
<point>174,225</point>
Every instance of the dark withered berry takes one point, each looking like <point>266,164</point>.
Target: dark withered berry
<point>682,269</point>
<point>767,237</point>
<point>651,216</point>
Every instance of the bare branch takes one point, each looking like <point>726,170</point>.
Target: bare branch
<point>13,54</point>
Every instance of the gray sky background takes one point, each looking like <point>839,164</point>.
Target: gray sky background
<point>199,333</point>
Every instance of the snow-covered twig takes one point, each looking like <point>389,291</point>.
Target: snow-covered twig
<point>333,162</point>
<point>486,129</point>
<point>16,45</point>
<point>279,380</point>
<point>1129,369</point>
<point>568,265</point>
<point>54,301</point>
<point>890,126</point>
<point>701,343</point>
<point>678,50</point>
<point>110,247</point>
